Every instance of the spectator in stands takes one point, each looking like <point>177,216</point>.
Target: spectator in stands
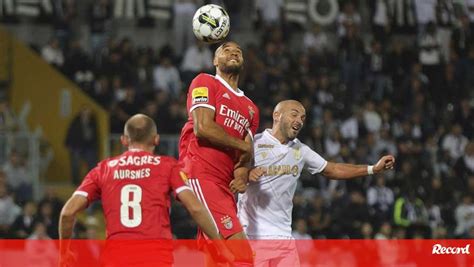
<point>410,213</point>
<point>18,176</point>
<point>144,73</point>
<point>64,13</point>
<point>22,227</point>
<point>183,12</point>
<point>270,13</point>
<point>353,215</point>
<point>52,53</point>
<point>197,58</point>
<point>102,92</point>
<point>51,196</point>
<point>8,211</point>
<point>454,142</point>
<point>8,121</point>
<point>376,75</point>
<point>380,199</point>
<point>46,218</point>
<point>431,58</point>
<point>465,164</point>
<point>320,218</point>
<point>82,143</point>
<point>385,231</point>
<point>351,49</point>
<point>166,77</point>
<point>465,116</point>
<point>464,215</point>
<point>349,17</point>
<point>99,13</point>
<point>462,38</point>
<point>425,14</point>
<point>78,66</point>
<point>316,40</point>
<point>379,10</point>
<point>372,119</point>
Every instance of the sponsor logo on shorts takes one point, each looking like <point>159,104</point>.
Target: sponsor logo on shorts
<point>227,222</point>
<point>440,249</point>
<point>200,95</point>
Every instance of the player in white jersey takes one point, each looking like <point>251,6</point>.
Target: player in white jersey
<point>265,208</point>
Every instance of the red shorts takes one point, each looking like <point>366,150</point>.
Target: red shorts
<point>220,202</point>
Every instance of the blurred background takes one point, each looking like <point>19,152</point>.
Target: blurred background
<point>376,77</point>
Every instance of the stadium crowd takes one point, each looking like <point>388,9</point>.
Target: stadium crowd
<point>373,87</point>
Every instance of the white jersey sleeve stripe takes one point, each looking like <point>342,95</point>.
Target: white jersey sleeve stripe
<point>81,193</point>
<point>182,188</point>
<point>201,106</point>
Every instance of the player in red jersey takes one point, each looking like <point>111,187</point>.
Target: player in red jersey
<point>134,189</point>
<point>215,143</point>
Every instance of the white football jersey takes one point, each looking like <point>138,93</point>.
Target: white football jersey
<point>265,208</point>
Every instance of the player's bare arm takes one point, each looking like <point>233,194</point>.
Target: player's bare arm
<point>74,205</point>
<point>242,169</point>
<point>205,127</point>
<point>349,171</point>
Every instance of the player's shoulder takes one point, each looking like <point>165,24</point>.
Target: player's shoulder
<point>259,137</point>
<point>109,162</point>
<point>204,77</point>
<point>168,160</point>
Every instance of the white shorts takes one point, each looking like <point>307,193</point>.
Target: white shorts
<point>276,252</point>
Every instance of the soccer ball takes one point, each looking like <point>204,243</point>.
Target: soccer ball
<point>211,23</point>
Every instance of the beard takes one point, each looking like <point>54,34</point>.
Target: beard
<point>231,69</point>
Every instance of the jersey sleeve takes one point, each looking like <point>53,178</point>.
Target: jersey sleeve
<point>90,187</point>
<point>314,163</point>
<point>178,180</point>
<point>202,93</point>
<point>255,122</point>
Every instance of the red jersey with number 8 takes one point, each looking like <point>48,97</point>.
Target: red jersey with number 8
<point>135,192</point>
<point>234,112</point>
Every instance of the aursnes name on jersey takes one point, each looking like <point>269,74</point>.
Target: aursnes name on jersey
<point>133,161</point>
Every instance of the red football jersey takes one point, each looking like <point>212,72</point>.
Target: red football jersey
<point>135,191</point>
<point>237,115</point>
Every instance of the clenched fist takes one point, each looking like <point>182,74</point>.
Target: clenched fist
<point>384,163</point>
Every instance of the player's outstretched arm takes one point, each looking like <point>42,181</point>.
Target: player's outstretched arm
<point>203,219</point>
<point>348,171</point>
<point>205,127</point>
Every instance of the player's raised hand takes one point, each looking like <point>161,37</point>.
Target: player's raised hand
<point>256,173</point>
<point>385,163</point>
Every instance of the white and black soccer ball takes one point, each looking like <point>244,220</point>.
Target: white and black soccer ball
<point>211,23</point>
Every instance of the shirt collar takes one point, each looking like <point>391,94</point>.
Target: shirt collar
<point>237,93</point>
<point>268,133</point>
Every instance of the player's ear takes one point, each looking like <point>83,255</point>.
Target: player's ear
<point>124,140</point>
<point>214,61</point>
<point>156,140</point>
<point>276,116</point>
